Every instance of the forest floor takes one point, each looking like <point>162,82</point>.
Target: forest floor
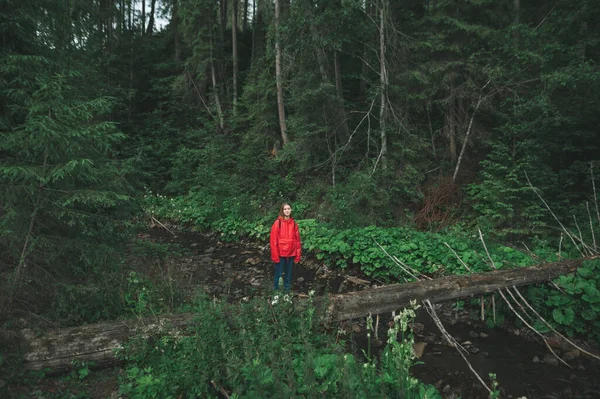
<point>522,364</point>
<point>238,271</point>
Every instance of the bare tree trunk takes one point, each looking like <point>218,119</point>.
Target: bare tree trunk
<point>143,15</point>
<point>234,25</point>
<point>213,75</point>
<point>254,17</point>
<point>370,11</point>
<point>278,78</point>
<point>258,31</point>
<point>450,124</point>
<point>245,16</point>
<point>223,24</point>
<point>20,269</point>
<point>383,81</point>
<point>396,296</point>
<point>151,20</point>
<point>123,16</point>
<point>341,104</point>
<point>469,129</point>
<point>175,23</point>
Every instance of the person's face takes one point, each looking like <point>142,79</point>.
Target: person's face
<point>287,211</point>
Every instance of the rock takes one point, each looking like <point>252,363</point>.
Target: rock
<point>438,385</point>
<point>483,335</point>
<point>300,280</point>
<point>486,353</point>
<point>580,367</point>
<point>467,343</point>
<point>252,261</point>
<point>356,328</point>
<point>204,259</point>
<point>446,389</point>
<point>474,350</point>
<point>194,244</point>
<point>536,359</point>
<point>473,334</point>
<point>210,250</point>
<point>551,360</point>
<point>554,342</point>
<point>517,333</point>
<point>419,348</point>
<point>572,354</point>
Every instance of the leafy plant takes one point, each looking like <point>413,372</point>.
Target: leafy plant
<point>264,349</point>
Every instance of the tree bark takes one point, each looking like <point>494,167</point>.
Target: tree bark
<point>469,129</point>
<point>278,78</point>
<point>175,23</point>
<point>450,125</point>
<point>371,14</point>
<point>213,75</point>
<point>151,20</point>
<point>143,15</point>
<point>341,104</point>
<point>234,44</point>
<point>129,11</point>
<point>383,80</point>
<point>245,16</point>
<point>223,18</point>
<point>56,349</point>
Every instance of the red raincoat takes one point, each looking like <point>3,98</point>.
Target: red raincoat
<point>285,240</point>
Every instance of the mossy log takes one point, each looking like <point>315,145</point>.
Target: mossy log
<point>57,348</point>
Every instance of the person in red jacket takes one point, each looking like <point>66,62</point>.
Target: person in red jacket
<point>285,246</point>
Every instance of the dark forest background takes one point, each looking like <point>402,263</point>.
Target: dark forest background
<point>437,115</point>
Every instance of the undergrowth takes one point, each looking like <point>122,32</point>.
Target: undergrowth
<point>266,349</point>
<point>574,310</point>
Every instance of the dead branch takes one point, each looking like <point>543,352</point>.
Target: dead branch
<point>452,342</point>
<point>165,227</point>
<point>552,328</point>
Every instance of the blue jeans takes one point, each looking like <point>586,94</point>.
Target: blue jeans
<point>284,266</point>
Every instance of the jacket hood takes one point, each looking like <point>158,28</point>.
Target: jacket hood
<point>291,219</point>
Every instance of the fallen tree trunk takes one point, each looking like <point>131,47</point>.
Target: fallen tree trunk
<point>393,297</point>
<point>56,349</point>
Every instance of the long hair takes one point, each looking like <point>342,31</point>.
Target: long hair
<point>281,209</point>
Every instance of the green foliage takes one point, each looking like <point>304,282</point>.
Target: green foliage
<point>426,252</point>
<point>64,191</point>
<point>575,308</point>
<point>264,349</point>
